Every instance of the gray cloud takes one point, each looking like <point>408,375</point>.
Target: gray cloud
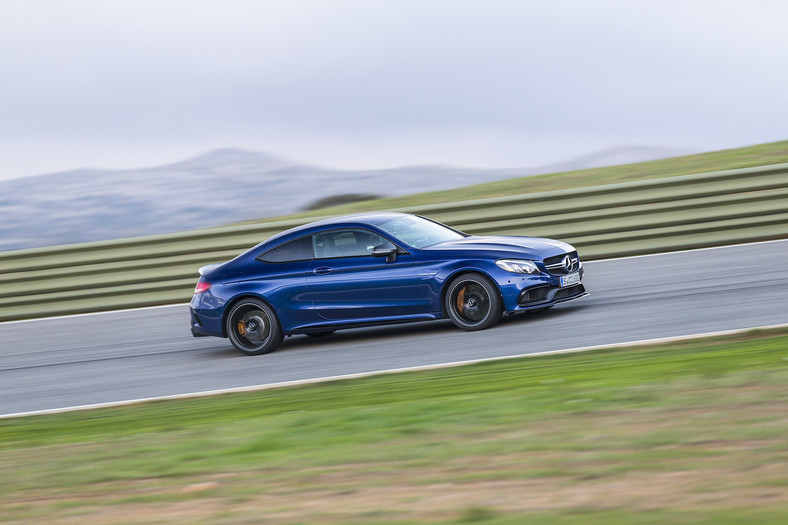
<point>372,84</point>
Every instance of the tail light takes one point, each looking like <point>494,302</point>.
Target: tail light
<point>201,286</point>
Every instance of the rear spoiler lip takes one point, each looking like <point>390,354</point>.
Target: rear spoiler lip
<point>207,268</point>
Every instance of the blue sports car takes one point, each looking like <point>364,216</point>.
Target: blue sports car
<point>377,268</point>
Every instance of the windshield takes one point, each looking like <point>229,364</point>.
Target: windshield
<point>419,232</point>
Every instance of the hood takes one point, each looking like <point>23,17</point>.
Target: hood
<point>507,246</point>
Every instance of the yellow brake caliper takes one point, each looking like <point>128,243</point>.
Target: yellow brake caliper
<point>461,300</point>
<point>241,328</point>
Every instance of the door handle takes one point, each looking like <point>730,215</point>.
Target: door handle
<point>323,270</point>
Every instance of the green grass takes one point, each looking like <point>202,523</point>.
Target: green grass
<point>682,433</point>
<point>759,155</point>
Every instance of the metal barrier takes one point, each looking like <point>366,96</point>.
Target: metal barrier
<point>614,220</point>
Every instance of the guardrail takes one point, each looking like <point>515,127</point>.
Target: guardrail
<point>614,220</point>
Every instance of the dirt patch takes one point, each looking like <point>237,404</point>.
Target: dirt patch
<point>367,492</point>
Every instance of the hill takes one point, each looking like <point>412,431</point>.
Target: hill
<point>746,157</point>
<point>220,187</point>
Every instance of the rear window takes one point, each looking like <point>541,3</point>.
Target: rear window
<point>297,250</point>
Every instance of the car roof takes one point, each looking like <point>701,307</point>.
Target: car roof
<point>357,220</point>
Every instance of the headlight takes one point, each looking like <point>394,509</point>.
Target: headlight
<point>517,266</point>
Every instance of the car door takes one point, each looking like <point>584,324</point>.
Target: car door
<point>345,281</point>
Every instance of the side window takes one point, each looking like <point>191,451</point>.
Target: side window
<point>297,250</point>
<point>346,243</point>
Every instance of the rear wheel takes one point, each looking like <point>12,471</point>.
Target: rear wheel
<point>253,328</point>
<point>473,302</point>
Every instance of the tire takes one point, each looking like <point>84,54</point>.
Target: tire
<point>321,334</point>
<point>253,328</point>
<point>473,302</point>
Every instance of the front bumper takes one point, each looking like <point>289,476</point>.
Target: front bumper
<point>547,295</point>
<point>538,291</point>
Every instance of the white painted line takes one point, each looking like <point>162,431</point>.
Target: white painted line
<point>88,314</point>
<point>708,248</point>
<point>269,386</point>
<point>142,308</point>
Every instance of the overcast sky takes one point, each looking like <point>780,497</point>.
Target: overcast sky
<point>367,84</point>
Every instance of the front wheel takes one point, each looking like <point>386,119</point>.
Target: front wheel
<point>473,302</point>
<point>253,328</point>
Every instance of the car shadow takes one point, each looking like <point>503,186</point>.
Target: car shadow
<point>388,332</point>
<point>352,335</point>
<point>538,315</point>
<point>357,335</point>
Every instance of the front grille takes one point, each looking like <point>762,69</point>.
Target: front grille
<point>557,264</point>
<point>535,295</point>
<point>563,293</point>
<point>548,294</point>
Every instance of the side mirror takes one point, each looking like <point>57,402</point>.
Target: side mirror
<point>389,251</point>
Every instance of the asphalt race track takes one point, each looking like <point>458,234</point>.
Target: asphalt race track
<point>81,360</point>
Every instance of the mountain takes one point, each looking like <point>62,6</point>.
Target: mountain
<point>221,187</point>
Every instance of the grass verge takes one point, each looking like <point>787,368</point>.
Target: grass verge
<point>689,432</point>
<point>750,156</point>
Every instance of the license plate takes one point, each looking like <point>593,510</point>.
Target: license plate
<point>570,280</point>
